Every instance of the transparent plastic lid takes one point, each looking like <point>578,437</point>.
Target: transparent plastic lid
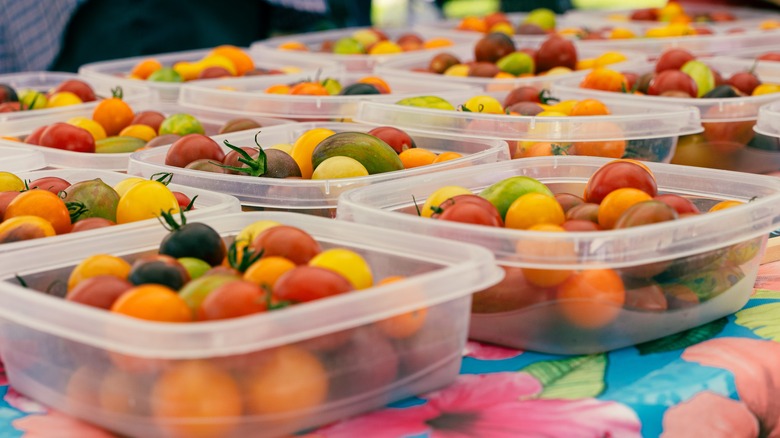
<point>768,122</point>
<point>453,271</point>
<point>627,121</point>
<point>409,67</point>
<point>352,62</point>
<point>207,204</point>
<point>211,120</point>
<point>20,159</point>
<point>43,81</point>
<point>301,194</point>
<point>731,109</point>
<point>117,71</point>
<point>248,95</point>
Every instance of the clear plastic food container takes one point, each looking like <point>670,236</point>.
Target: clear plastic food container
<point>705,265</point>
<point>207,204</point>
<point>642,131</point>
<point>728,140</point>
<point>450,26</point>
<point>317,197</point>
<point>117,71</point>
<point>248,95</point>
<point>768,127</point>
<point>114,371</point>
<point>414,67</point>
<point>44,81</point>
<point>211,120</point>
<point>20,160</point>
<point>351,62</point>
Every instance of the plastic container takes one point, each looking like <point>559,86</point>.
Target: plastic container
<point>248,95</point>
<point>20,160</point>
<point>207,204</point>
<point>768,129</point>
<point>641,131</point>
<point>44,81</point>
<point>408,68</point>
<point>333,346</point>
<point>210,119</point>
<point>711,259</point>
<point>450,26</point>
<point>728,141</point>
<point>317,197</point>
<point>352,62</point>
<point>117,71</point>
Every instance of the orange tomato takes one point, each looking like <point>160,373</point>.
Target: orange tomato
<point>309,89</point>
<point>551,250</point>
<point>153,302</point>
<point>605,79</point>
<point>589,107</point>
<point>113,114</point>
<point>378,82</point>
<point>722,205</point>
<point>616,203</point>
<point>270,390</point>
<point>472,23</point>
<point>403,325</point>
<point>145,68</point>
<point>592,298</point>
<point>196,399</point>
<point>25,228</point>
<point>98,264</point>
<point>614,145</point>
<point>240,59</point>
<point>278,89</point>
<point>44,204</point>
<point>416,157</point>
<point>266,271</point>
<point>447,156</point>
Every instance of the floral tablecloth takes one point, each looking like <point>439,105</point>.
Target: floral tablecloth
<point>721,379</point>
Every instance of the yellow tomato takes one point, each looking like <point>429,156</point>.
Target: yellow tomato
<point>94,128</point>
<point>347,263</point>
<point>441,195</point>
<point>304,147</point>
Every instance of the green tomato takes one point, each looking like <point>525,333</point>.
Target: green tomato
<point>517,63</point>
<point>701,74</point>
<point>542,17</point>
<point>503,193</point>
<point>339,167</point>
<point>348,46</point>
<point>195,291</point>
<point>434,102</point>
<point>165,74</point>
<point>195,267</point>
<point>181,124</point>
<point>32,99</point>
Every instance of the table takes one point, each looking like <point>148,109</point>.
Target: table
<point>721,379</point>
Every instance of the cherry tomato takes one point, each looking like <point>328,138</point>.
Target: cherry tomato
<point>524,93</point>
<point>266,271</point>
<point>568,201</point>
<point>605,79</point>
<point>183,200</point>
<point>145,200</point>
<point>114,114</point>
<point>35,136</point>
<point>91,223</point>
<point>556,51</point>
<point>619,174</point>
<point>193,147</point>
<point>645,213</point>
<point>645,295</point>
<point>680,204</point>
<point>472,209</point>
<point>78,87</point>
<point>672,80</point>
<point>285,241</point>
<point>616,203</point>
<point>309,283</point>
<point>231,158</point>
<point>159,269</point>
<point>43,204</point>
<point>396,138</point>
<point>534,208</point>
<point>347,263</point>
<point>580,225</point>
<point>67,137</point>
<point>673,59</point>
<point>98,264</point>
<point>153,302</point>
<point>99,291</point>
<point>153,119</point>
<point>231,300</point>
<point>744,81</point>
<point>587,212</point>
<point>196,240</point>
<point>592,298</point>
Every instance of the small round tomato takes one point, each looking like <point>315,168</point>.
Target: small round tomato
<point>568,201</point>
<point>35,136</point>
<point>197,240</point>
<point>98,264</point>
<point>286,241</point>
<point>722,205</point>
<point>78,87</point>
<point>672,80</point>
<point>592,298</point>
<point>645,213</point>
<point>619,174</point>
<point>679,203</point>
<point>43,204</point>
<point>616,203</point>
<point>91,223</point>
<point>53,184</point>
<point>532,209</point>
<point>193,147</point>
<point>396,138</point>
<point>145,200</point>
<point>580,225</point>
<point>231,300</point>
<point>586,212</point>
<point>673,59</point>
<point>309,283</point>
<point>439,196</point>
<point>153,302</point>
<point>64,136</point>
<point>266,271</point>
<point>472,209</point>
<point>152,119</point>
<point>99,291</point>
<point>347,263</point>
<point>159,269</point>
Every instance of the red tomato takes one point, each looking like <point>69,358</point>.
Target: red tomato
<point>568,201</point>
<point>183,200</point>
<point>396,138</point>
<point>231,300</point>
<point>53,184</point>
<point>680,204</point>
<point>35,136</point>
<point>309,283</point>
<point>673,59</point>
<point>91,223</point>
<point>645,213</point>
<point>672,80</point>
<point>744,81</point>
<point>580,225</point>
<point>152,119</point>
<point>470,209</point>
<point>556,51</point>
<point>100,291</point>
<point>5,199</point>
<point>585,212</point>
<point>64,136</point>
<point>616,175</point>
<point>193,147</point>
<point>80,88</point>
<point>524,93</point>
<point>289,242</point>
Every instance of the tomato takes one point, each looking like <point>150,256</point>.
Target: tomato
<point>78,87</point>
<point>605,79</point>
<point>194,239</point>
<point>347,263</point>
<point>568,201</point>
<point>580,225</point>
<point>196,290</point>
<point>43,204</point>
<point>525,93</point>
<point>193,147</point>
<point>153,119</point>
<point>680,204</point>
<point>673,59</point>
<point>556,51</point>
<point>744,81</point>
<point>53,184</point>
<point>616,203</point>
<point>589,107</point>
<point>645,213</point>
<point>231,300</point>
<point>159,269</point>
<point>549,251</point>
<point>532,209</point>
<point>672,80</point>
<point>98,264</point>
<point>35,136</point>
<point>24,228</point>
<point>396,138</point>
<point>512,293</point>
<point>99,291</point>
<point>5,199</point>
<point>619,174</point>
<point>439,196</point>
<point>270,389</point>
<point>67,137</point>
<point>266,271</point>
<point>471,209</point>
<point>724,205</point>
<point>145,200</point>
<point>183,200</point>
<point>587,212</point>
<point>11,183</point>
<point>309,283</point>
<point>114,114</point>
<point>592,298</point>
<point>645,295</point>
<point>286,241</point>
<point>679,296</point>
<point>196,399</point>
<point>91,223</point>
<point>153,302</point>
<point>232,157</point>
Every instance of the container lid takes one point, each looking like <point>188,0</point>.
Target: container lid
<point>43,81</point>
<point>731,109</point>
<point>352,62</point>
<point>248,95</point>
<point>295,194</point>
<point>769,120</point>
<point>210,119</point>
<point>117,71</point>
<point>456,271</point>
<point>20,159</point>
<point>627,121</point>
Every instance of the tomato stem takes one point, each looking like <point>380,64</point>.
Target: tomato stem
<point>21,280</point>
<point>248,257</point>
<point>169,222</point>
<point>545,97</point>
<point>416,206</point>
<point>117,93</point>
<point>255,166</point>
<point>269,299</point>
<point>162,177</point>
<point>191,204</point>
<point>76,209</point>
